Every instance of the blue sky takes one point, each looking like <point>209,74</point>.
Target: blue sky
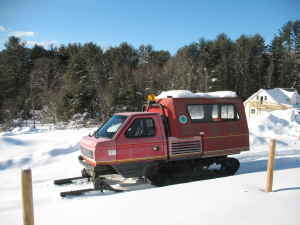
<point>165,24</point>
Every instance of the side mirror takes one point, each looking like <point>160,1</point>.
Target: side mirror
<point>92,133</point>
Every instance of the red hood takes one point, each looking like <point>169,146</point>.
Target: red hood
<point>91,142</point>
<point>95,149</point>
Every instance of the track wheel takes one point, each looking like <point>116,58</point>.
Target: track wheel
<point>159,177</point>
<point>161,180</point>
<point>229,166</point>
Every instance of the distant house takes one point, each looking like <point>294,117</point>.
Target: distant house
<point>266,100</point>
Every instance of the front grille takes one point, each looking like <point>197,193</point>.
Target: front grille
<point>86,152</point>
<point>185,147</point>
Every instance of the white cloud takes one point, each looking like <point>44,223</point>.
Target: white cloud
<point>31,43</point>
<point>2,28</point>
<point>45,44</point>
<point>21,33</point>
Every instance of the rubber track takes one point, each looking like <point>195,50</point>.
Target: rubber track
<point>168,178</point>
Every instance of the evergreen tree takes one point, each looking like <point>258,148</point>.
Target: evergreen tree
<point>14,80</point>
<point>77,95</point>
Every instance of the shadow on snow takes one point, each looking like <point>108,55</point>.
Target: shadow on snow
<point>24,161</point>
<point>63,151</point>
<point>13,141</point>
<point>14,163</point>
<point>261,165</point>
<point>287,189</point>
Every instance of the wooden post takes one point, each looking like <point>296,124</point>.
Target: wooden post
<point>269,183</point>
<point>27,200</point>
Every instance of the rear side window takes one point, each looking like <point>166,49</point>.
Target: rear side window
<point>212,112</point>
<point>227,112</point>
<point>196,112</point>
<point>143,127</point>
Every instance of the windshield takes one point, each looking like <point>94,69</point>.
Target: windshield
<point>110,127</point>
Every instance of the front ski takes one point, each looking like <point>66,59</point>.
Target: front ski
<point>68,180</point>
<point>76,192</point>
<point>99,185</point>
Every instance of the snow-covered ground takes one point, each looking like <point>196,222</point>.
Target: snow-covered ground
<point>235,200</point>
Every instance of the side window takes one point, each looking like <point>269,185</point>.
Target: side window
<point>143,127</point>
<point>196,112</point>
<point>227,112</point>
<point>212,112</point>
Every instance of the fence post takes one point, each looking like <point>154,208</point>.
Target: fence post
<point>27,199</point>
<point>269,183</point>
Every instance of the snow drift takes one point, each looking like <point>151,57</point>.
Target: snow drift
<point>283,125</point>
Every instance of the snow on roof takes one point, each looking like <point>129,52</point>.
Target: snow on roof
<point>189,94</point>
<point>279,96</point>
<point>282,96</point>
<point>288,93</point>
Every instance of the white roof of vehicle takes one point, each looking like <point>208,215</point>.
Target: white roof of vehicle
<point>189,94</point>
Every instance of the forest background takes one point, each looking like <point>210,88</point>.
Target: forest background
<point>56,83</point>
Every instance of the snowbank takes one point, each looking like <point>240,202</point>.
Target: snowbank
<point>283,125</point>
<point>189,94</point>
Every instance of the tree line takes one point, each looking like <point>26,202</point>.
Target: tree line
<point>86,78</point>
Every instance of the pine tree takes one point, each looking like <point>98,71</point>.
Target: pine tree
<point>15,67</point>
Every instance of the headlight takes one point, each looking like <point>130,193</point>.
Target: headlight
<point>86,152</point>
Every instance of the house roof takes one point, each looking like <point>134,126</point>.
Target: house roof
<point>279,95</point>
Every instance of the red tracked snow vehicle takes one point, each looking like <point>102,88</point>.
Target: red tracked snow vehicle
<point>173,139</point>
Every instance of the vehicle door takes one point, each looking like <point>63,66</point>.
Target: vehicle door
<point>142,139</point>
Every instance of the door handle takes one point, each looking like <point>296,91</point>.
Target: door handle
<point>155,148</point>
